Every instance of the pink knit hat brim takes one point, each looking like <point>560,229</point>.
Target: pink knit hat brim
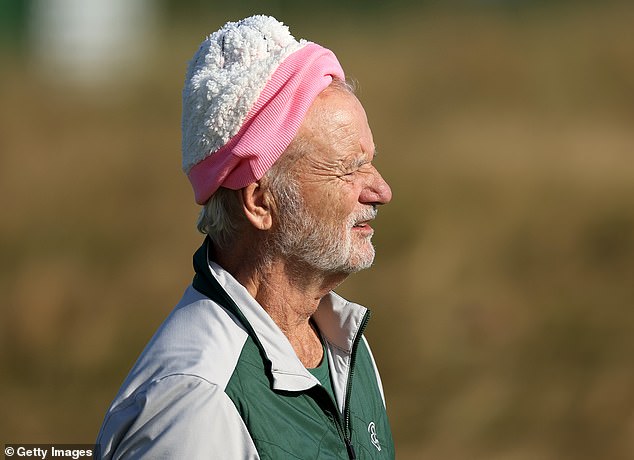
<point>270,125</point>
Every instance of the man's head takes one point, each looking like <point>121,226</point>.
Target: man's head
<point>314,203</point>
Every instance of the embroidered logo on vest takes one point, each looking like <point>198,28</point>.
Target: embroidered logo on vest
<point>373,437</point>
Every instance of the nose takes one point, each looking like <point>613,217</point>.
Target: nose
<point>376,191</point>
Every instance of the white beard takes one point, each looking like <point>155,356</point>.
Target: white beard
<point>321,245</point>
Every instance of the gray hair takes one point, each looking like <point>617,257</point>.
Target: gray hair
<point>221,217</point>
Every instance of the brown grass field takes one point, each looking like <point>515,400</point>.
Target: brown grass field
<point>503,290</point>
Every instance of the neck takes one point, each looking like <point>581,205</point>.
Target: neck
<point>289,292</point>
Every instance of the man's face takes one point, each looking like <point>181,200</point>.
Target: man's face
<point>325,217</point>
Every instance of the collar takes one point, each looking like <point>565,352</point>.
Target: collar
<point>339,321</point>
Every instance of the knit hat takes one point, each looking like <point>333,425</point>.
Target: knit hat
<point>247,91</point>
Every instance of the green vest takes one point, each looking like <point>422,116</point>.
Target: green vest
<point>303,424</point>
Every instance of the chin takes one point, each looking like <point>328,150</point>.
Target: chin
<point>361,261</point>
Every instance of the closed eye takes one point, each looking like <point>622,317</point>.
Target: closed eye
<point>346,175</point>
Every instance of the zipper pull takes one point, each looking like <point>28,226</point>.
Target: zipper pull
<point>350,448</point>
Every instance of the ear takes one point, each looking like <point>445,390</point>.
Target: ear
<point>256,203</point>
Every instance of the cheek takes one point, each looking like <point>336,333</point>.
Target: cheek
<point>333,202</point>
<point>341,202</point>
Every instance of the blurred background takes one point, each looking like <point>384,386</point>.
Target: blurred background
<point>503,288</point>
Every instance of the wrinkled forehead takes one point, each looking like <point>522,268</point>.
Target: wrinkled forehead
<point>338,116</point>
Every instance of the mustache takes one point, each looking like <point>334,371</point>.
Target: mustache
<point>365,215</point>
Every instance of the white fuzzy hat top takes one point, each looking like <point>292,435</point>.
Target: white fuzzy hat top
<point>225,78</point>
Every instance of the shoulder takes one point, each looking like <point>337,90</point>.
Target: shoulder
<point>197,348</point>
<point>176,416</point>
<point>177,386</point>
<point>198,339</point>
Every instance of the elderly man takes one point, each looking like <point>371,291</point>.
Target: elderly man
<point>260,359</point>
